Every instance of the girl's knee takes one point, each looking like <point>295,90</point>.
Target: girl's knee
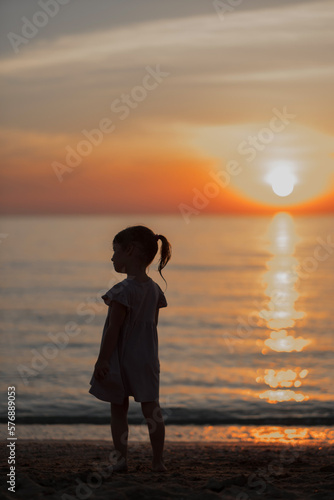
<point>120,408</point>
<point>150,409</point>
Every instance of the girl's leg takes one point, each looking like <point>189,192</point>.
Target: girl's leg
<point>156,428</point>
<point>120,430</point>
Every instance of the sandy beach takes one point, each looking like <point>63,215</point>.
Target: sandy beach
<point>199,470</point>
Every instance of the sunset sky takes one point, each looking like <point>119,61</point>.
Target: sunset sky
<point>141,106</point>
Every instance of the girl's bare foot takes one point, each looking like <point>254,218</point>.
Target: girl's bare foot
<point>159,466</point>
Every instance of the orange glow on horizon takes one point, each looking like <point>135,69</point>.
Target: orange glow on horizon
<point>137,135</point>
<point>150,177</point>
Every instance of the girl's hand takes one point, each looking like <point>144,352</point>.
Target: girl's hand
<point>101,369</point>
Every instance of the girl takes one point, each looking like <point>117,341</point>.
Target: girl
<point>128,362</point>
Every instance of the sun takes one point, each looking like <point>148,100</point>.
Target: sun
<point>282,181</point>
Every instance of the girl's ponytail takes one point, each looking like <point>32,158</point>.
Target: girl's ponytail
<point>148,243</point>
<point>165,253</point>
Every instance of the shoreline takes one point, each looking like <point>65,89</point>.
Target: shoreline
<point>59,469</point>
<point>176,433</point>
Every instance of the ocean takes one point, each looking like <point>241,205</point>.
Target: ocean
<point>245,345</point>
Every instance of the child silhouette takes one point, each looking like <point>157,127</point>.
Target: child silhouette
<point>128,362</point>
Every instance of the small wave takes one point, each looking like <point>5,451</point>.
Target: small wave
<point>182,416</point>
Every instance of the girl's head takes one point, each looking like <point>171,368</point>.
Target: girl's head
<point>146,242</point>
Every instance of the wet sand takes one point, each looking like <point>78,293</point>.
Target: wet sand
<point>199,470</point>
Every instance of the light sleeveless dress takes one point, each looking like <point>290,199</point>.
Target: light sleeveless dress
<point>134,364</point>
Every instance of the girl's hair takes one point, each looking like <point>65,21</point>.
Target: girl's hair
<point>148,242</point>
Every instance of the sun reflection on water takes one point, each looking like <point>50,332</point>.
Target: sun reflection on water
<point>280,313</point>
<point>282,342</point>
<point>283,378</point>
<point>265,434</point>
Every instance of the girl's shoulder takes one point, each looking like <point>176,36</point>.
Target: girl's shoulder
<point>138,288</point>
<point>118,292</point>
<point>130,289</point>
<point>162,302</point>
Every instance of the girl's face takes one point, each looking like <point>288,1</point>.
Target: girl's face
<point>119,258</point>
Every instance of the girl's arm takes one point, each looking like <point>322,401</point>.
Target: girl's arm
<point>116,320</point>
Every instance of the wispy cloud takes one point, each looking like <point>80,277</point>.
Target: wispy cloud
<point>84,72</point>
<point>284,29</point>
<point>223,73</point>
